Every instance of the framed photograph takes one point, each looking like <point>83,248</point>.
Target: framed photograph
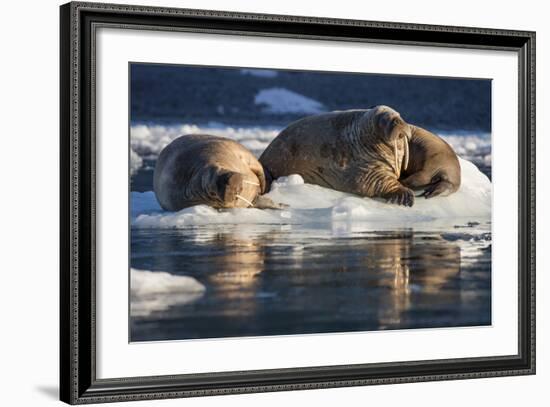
<point>255,203</point>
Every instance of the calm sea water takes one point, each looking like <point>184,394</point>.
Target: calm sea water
<point>276,280</point>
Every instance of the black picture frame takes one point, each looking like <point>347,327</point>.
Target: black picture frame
<point>78,381</point>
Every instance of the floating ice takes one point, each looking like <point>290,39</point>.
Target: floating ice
<point>153,291</point>
<point>206,215</point>
<point>294,192</point>
<point>313,204</point>
<point>255,145</point>
<point>260,73</point>
<point>135,162</point>
<point>293,179</point>
<point>149,140</point>
<point>473,147</point>
<point>309,203</point>
<point>473,199</point>
<point>280,100</point>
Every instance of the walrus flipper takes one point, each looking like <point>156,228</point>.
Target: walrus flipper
<point>442,188</point>
<point>263,202</point>
<point>433,187</point>
<point>377,184</point>
<point>417,181</point>
<point>401,196</point>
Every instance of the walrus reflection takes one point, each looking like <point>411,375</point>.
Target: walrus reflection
<point>237,270</point>
<point>241,262</point>
<point>414,268</point>
<point>280,280</point>
<point>244,256</point>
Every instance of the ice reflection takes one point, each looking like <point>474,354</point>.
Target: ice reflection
<point>290,279</point>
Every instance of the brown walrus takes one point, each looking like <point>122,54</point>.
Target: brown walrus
<point>203,169</point>
<point>433,165</point>
<point>356,151</point>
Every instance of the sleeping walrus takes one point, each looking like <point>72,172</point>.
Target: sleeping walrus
<point>371,152</point>
<point>215,171</point>
<point>361,152</point>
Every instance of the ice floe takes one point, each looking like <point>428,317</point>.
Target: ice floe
<point>281,100</point>
<point>149,140</point>
<point>153,291</point>
<point>313,204</point>
<point>135,162</point>
<point>260,73</point>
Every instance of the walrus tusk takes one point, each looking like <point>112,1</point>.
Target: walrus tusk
<point>395,154</point>
<point>406,163</point>
<point>244,199</point>
<point>251,183</point>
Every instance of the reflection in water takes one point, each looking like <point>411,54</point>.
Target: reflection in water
<point>276,280</point>
<point>414,268</point>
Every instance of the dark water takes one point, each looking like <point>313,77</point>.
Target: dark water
<point>276,280</point>
<point>179,93</point>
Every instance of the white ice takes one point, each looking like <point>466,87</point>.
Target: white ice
<point>149,140</point>
<point>153,291</point>
<point>469,145</point>
<point>135,162</point>
<point>311,204</point>
<point>260,73</point>
<point>281,100</point>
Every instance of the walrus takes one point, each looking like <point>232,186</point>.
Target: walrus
<point>361,151</point>
<point>204,169</point>
<point>433,165</point>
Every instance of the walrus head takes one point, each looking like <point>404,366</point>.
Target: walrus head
<point>393,131</point>
<point>236,190</point>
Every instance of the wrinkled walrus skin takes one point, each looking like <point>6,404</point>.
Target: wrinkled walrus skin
<point>433,165</point>
<point>362,152</point>
<point>204,169</point>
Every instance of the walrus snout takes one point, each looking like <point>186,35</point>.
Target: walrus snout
<point>398,135</point>
<point>396,129</point>
<point>236,191</point>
